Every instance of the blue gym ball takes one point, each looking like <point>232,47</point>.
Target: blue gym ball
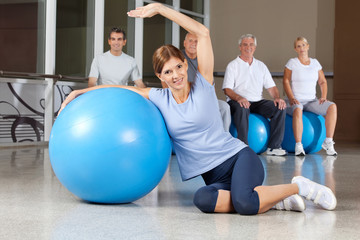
<point>314,133</point>
<point>258,133</point>
<point>110,145</point>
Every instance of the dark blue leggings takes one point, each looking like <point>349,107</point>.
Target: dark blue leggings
<point>240,174</point>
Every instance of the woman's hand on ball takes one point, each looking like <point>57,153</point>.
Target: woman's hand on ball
<point>74,94</point>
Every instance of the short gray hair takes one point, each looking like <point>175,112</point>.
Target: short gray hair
<point>248,35</point>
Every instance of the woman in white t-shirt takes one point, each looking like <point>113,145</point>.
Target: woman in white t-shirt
<point>303,73</point>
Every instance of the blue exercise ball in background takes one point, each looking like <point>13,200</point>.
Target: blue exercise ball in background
<point>313,133</point>
<point>289,141</point>
<point>318,124</point>
<point>110,145</point>
<point>258,133</point>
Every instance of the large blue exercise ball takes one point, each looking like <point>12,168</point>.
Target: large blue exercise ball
<point>110,145</point>
<point>258,133</point>
<point>314,133</point>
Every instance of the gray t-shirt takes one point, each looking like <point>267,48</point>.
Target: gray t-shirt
<point>114,70</point>
<point>192,68</point>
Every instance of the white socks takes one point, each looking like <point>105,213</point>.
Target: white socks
<point>328,140</point>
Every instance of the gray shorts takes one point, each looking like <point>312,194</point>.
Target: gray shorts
<point>309,106</point>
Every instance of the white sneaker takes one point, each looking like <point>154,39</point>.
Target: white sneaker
<point>299,150</point>
<point>292,203</point>
<point>329,148</point>
<point>319,194</point>
<point>276,152</point>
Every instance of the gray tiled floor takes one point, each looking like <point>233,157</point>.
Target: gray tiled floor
<point>34,205</point>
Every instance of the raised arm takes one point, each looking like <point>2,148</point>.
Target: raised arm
<point>205,54</point>
<point>74,94</point>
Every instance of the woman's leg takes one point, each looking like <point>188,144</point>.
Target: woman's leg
<point>270,195</point>
<point>247,195</point>
<point>330,120</point>
<point>329,110</point>
<point>224,203</point>
<point>297,124</point>
<point>214,198</point>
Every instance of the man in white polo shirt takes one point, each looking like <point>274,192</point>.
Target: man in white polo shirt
<point>244,80</point>
<point>115,67</point>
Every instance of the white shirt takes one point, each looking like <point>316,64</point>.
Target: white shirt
<point>304,78</point>
<point>117,70</point>
<point>247,80</point>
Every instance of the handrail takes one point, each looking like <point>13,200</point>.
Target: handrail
<point>273,74</point>
<point>40,75</point>
<point>80,79</point>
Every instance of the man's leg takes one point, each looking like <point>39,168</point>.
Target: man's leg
<point>268,109</point>
<point>241,119</point>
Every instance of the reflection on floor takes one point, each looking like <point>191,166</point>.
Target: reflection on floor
<point>34,205</point>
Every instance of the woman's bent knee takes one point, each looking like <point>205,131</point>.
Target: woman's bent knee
<point>205,199</point>
<point>247,205</point>
<point>332,107</point>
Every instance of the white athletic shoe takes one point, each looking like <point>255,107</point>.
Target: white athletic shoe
<point>299,150</point>
<point>292,203</point>
<point>319,194</point>
<point>276,152</point>
<point>329,148</point>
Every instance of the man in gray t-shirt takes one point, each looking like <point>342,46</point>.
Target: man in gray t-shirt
<point>115,67</point>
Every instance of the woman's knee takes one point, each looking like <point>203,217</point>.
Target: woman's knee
<point>247,204</point>
<point>205,199</point>
<point>297,112</point>
<point>332,108</point>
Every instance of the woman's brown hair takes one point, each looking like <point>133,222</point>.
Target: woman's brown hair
<point>163,54</point>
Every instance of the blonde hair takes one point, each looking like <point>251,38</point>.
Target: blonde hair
<point>300,39</point>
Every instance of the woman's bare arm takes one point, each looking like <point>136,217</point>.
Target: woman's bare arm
<point>205,54</point>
